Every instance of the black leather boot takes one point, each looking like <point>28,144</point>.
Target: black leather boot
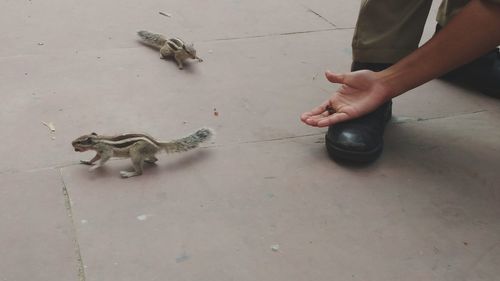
<point>482,74</point>
<point>360,140</point>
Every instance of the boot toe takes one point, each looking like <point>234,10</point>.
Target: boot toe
<point>353,145</point>
<point>354,140</point>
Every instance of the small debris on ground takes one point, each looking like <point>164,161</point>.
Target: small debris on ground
<point>40,44</point>
<point>143,217</point>
<point>216,113</point>
<point>275,247</point>
<point>165,14</point>
<point>49,125</point>
<point>182,258</point>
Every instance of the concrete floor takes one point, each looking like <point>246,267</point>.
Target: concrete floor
<point>427,210</point>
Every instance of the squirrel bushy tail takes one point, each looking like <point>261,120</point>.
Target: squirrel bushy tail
<point>153,39</point>
<point>189,142</point>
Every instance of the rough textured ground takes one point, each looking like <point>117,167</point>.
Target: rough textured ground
<point>427,210</point>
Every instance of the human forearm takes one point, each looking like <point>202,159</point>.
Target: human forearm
<point>473,32</point>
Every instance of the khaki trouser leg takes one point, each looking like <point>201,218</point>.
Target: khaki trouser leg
<point>388,30</point>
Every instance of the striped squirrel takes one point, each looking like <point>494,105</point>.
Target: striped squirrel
<point>173,47</point>
<point>139,148</point>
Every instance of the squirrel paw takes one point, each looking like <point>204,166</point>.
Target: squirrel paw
<point>126,174</point>
<point>94,167</point>
<point>151,160</point>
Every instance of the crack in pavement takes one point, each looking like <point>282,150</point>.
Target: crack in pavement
<point>394,120</point>
<point>270,35</point>
<point>76,244</point>
<point>282,138</point>
<point>404,120</point>
<point>320,16</point>
<point>55,52</point>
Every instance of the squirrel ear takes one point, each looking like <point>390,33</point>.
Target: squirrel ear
<point>94,134</point>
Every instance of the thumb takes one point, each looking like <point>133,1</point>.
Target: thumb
<point>334,77</point>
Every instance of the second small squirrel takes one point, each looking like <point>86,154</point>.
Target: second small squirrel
<point>173,47</point>
<point>139,148</point>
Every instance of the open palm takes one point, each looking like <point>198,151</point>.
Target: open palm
<point>360,93</point>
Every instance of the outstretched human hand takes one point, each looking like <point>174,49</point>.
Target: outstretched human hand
<point>361,92</point>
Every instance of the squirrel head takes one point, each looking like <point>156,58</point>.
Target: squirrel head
<point>189,48</point>
<point>85,142</point>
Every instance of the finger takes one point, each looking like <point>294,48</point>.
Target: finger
<point>320,109</point>
<point>335,78</point>
<point>310,121</point>
<point>313,120</point>
<point>332,119</point>
<point>308,116</point>
<point>319,116</point>
<point>315,111</point>
<point>305,120</point>
<point>304,116</point>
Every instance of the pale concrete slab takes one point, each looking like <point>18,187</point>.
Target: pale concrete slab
<point>340,14</point>
<point>466,146</point>
<point>427,210</point>
<point>215,213</point>
<point>123,90</point>
<point>438,99</point>
<point>60,26</point>
<point>36,235</point>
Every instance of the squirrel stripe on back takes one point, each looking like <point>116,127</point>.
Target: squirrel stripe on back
<point>139,148</point>
<point>173,47</point>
